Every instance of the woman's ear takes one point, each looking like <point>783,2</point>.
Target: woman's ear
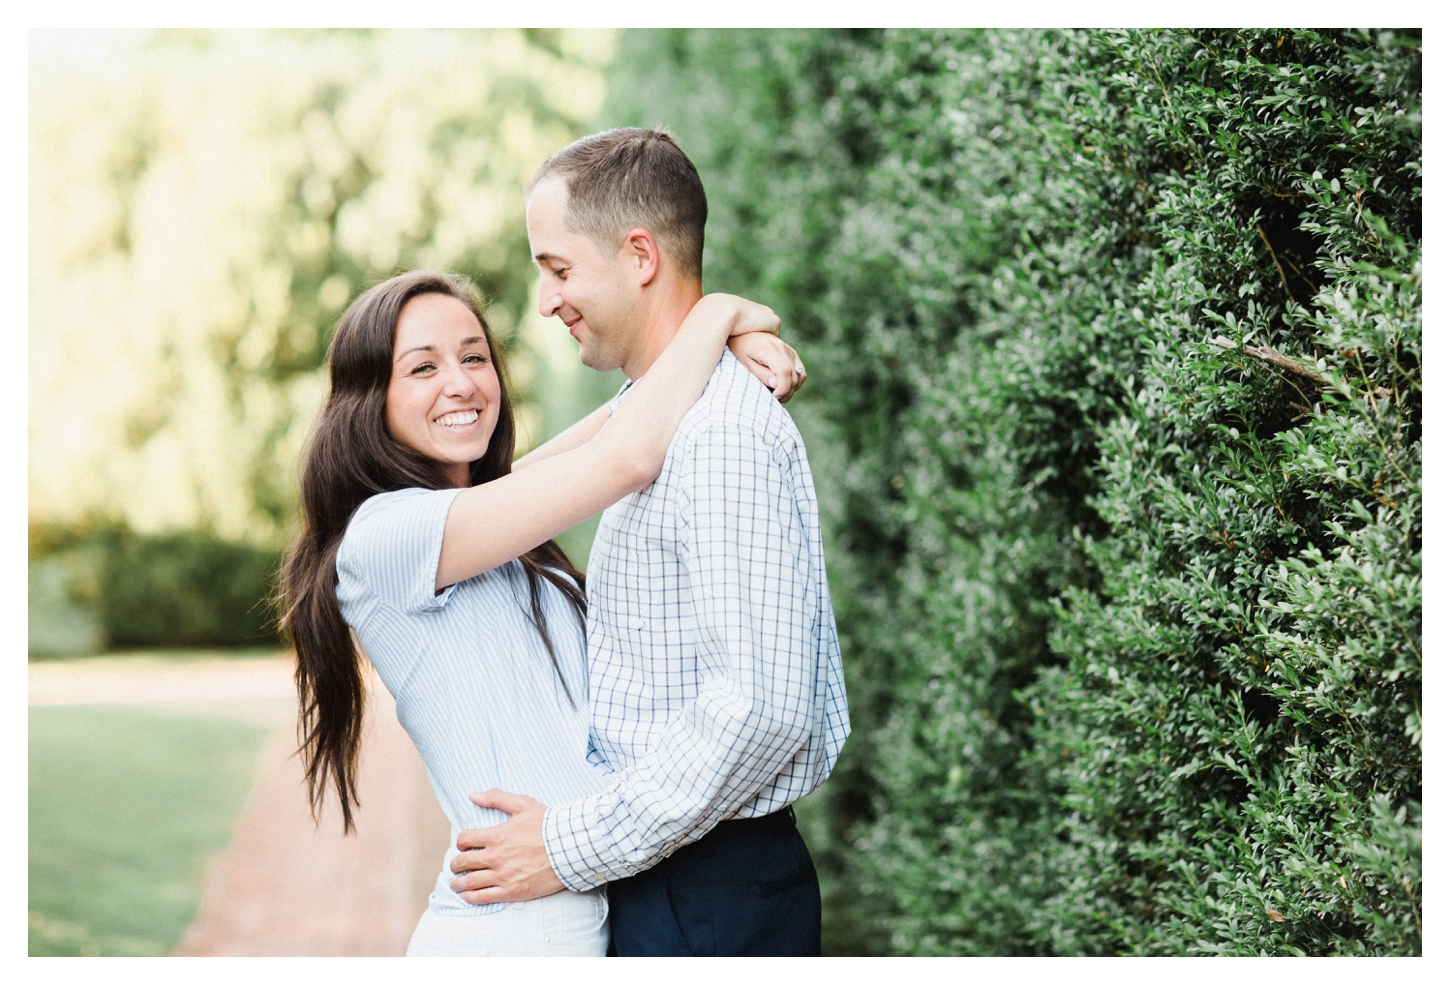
<point>642,254</point>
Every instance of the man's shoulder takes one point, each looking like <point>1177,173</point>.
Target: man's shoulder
<point>735,400</point>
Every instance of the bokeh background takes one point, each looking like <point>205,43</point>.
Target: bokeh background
<point>1114,412</point>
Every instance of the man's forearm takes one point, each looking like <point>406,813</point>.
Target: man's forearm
<point>645,815</point>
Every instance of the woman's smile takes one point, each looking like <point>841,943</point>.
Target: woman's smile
<point>459,419</point>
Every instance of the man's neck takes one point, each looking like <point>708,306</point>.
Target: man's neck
<point>665,309</point>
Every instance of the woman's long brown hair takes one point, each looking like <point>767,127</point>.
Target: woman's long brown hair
<point>351,456</point>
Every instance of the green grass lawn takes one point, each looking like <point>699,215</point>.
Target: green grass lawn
<point>126,805</point>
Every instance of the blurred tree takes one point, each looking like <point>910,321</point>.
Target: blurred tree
<point>203,205</point>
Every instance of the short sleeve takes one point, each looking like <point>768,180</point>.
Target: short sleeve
<point>392,547</point>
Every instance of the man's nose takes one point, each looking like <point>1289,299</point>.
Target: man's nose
<point>550,301</point>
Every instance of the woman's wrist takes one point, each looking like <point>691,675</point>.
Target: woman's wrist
<point>722,312</point>
<point>746,316</point>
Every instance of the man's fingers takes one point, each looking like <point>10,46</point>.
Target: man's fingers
<point>472,881</point>
<point>491,895</point>
<point>482,879</point>
<point>502,800</point>
<point>468,862</point>
<point>471,838</point>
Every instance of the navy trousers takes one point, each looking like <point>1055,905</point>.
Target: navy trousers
<point>748,887</point>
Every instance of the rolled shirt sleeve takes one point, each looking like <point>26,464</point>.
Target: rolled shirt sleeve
<point>393,544</point>
<point>753,599</point>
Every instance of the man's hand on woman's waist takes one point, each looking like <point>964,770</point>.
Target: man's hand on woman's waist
<point>506,863</point>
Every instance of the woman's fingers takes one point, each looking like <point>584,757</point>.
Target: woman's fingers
<point>773,362</point>
<point>786,380</point>
<point>782,379</point>
<point>792,379</point>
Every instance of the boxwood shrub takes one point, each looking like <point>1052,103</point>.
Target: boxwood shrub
<point>1115,407</point>
<point>186,588</point>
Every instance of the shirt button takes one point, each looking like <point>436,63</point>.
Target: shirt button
<point>638,623</point>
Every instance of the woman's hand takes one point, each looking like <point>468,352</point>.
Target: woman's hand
<point>753,330</point>
<point>772,361</point>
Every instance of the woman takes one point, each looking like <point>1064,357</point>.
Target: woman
<point>422,540</point>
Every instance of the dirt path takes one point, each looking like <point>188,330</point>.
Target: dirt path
<point>284,886</point>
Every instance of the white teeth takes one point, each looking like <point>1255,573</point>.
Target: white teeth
<point>458,418</point>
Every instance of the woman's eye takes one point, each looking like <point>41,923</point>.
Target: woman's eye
<point>475,358</point>
<point>422,368</point>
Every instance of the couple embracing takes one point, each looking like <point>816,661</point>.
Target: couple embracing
<point>617,766</point>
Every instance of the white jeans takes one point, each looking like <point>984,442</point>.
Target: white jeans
<point>562,925</point>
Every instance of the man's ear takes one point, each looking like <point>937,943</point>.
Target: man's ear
<point>642,254</point>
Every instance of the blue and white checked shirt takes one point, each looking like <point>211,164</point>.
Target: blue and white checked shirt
<point>716,689</point>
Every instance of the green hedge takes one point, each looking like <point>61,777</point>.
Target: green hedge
<point>184,589</point>
<point>1115,409</point>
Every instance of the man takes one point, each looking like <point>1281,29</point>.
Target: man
<point>715,677</point>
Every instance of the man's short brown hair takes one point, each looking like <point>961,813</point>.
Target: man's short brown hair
<point>632,178</point>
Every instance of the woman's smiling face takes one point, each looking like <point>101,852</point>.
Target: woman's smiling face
<point>443,397</point>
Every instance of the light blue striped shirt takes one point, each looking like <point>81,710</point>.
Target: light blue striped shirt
<point>473,683</point>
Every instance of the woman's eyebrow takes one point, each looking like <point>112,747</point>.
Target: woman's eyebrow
<point>471,340</point>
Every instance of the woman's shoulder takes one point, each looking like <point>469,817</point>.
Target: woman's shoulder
<point>384,500</point>
<point>390,520</point>
<point>400,501</point>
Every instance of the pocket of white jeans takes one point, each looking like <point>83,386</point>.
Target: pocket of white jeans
<point>576,916</point>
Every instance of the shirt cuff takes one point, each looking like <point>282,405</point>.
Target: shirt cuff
<point>566,840</point>
<point>582,841</point>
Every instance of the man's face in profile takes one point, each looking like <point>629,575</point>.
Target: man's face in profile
<point>588,290</point>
